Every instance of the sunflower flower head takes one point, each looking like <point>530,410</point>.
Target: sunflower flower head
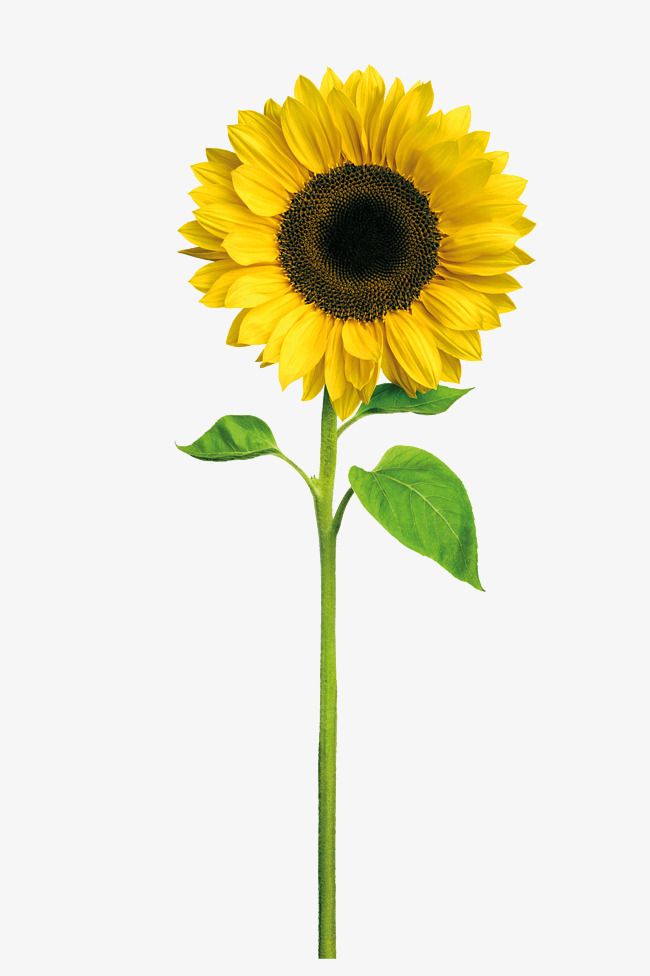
<point>358,231</point>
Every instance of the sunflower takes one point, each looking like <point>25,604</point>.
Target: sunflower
<point>358,231</point>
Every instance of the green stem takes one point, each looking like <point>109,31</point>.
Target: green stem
<point>327,528</point>
<point>338,517</point>
<point>348,423</point>
<point>305,477</point>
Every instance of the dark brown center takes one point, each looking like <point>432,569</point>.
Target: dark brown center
<point>359,241</point>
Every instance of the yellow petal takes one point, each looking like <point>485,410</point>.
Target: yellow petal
<point>503,186</point>
<point>477,212</point>
<point>369,100</point>
<point>313,381</point>
<point>524,226</point>
<point>345,405</point>
<point>263,319</point>
<point>502,303</point>
<point>216,296</point>
<point>196,234</point>
<point>413,347</point>
<point>357,371</point>
<point>499,161</point>
<point>330,80</point>
<point>377,138</point>
<point>232,339</point>
<point>305,137</point>
<point>260,141</point>
<point>223,160</point>
<point>368,389</point>
<point>522,256</point>
<point>435,166</point>
<point>205,277</point>
<point>348,121</point>
<point>473,144</point>
<point>210,193</point>
<point>308,94</point>
<point>491,264</point>
<point>485,283</point>
<point>455,123</point>
<point>220,218</point>
<point>256,285</point>
<point>259,191</point>
<point>473,299</point>
<point>450,368</point>
<point>351,83</point>
<point>394,372</point>
<point>256,245</point>
<point>475,241</point>
<point>464,345</point>
<point>272,110</point>
<point>335,361</point>
<point>363,339</point>
<point>465,182</point>
<point>207,173</point>
<point>203,254</point>
<point>458,308</point>
<point>303,346</point>
<point>412,108</point>
<point>273,349</point>
<point>419,138</point>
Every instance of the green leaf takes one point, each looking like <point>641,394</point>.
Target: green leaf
<point>420,501</point>
<point>233,438</point>
<point>389,398</point>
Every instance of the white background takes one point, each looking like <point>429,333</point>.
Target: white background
<point>159,692</point>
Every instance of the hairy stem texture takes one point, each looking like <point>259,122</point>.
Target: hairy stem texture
<point>327,529</point>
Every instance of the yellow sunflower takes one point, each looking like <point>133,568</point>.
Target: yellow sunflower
<point>358,231</point>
